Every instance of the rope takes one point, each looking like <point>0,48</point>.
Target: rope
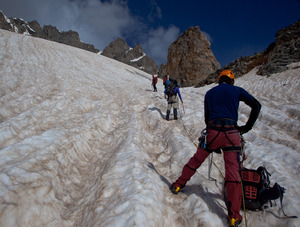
<point>211,162</point>
<point>243,199</point>
<point>243,196</point>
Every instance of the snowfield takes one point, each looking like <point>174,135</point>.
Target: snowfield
<point>84,142</point>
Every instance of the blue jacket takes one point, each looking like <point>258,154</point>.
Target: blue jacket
<point>223,100</point>
<point>177,91</point>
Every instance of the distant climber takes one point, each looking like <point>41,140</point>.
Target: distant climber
<point>154,82</point>
<point>171,91</point>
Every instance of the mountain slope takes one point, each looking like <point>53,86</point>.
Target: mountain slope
<point>83,142</point>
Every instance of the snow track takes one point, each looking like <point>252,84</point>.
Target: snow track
<point>84,142</point>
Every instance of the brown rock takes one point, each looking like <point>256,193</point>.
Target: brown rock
<point>48,32</point>
<point>285,50</point>
<point>120,51</point>
<point>190,59</point>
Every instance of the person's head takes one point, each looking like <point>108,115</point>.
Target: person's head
<point>226,76</point>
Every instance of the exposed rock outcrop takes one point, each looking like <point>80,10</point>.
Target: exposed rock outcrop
<point>14,25</point>
<point>47,32</point>
<point>120,51</point>
<point>285,50</point>
<point>190,58</point>
<point>162,71</point>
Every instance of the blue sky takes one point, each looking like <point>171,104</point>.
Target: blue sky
<point>235,27</point>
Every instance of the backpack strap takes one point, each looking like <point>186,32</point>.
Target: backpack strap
<point>281,198</point>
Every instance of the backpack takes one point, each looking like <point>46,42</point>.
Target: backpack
<point>257,190</point>
<point>170,87</point>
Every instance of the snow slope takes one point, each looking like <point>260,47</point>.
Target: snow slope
<point>83,142</point>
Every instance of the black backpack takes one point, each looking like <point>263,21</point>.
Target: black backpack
<point>170,87</point>
<point>257,190</point>
<point>254,182</point>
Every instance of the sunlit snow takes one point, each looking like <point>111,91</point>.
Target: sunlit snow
<point>83,142</point>
<point>139,58</point>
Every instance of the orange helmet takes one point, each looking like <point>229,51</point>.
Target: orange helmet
<point>227,73</point>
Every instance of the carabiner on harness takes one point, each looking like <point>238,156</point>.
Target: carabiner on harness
<point>202,139</point>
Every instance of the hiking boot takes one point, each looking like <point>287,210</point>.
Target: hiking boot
<point>175,188</point>
<point>235,222</point>
<point>175,118</point>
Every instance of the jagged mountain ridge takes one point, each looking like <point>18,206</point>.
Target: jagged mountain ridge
<point>131,56</point>
<point>48,32</point>
<point>136,57</point>
<point>274,59</point>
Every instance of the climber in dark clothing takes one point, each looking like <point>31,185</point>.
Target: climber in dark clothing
<point>173,100</point>
<point>221,105</point>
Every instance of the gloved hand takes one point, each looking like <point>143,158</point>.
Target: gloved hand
<point>243,129</point>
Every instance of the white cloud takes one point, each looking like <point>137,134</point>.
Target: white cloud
<point>208,37</point>
<point>158,42</point>
<point>98,22</point>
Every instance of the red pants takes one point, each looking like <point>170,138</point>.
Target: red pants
<point>225,140</point>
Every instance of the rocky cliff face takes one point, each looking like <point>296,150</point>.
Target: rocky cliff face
<point>190,59</point>
<point>47,32</point>
<point>285,50</point>
<point>14,25</point>
<point>162,71</point>
<point>120,51</point>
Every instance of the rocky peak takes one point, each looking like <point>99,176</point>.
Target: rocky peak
<point>14,25</point>
<point>116,49</point>
<point>48,32</point>
<point>274,59</point>
<point>120,51</point>
<point>284,51</point>
<point>38,31</point>
<point>190,58</point>
<point>288,34</point>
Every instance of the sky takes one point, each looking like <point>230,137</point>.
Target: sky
<point>235,28</point>
<point>73,152</point>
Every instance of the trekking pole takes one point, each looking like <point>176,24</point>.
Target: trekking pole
<point>182,107</point>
